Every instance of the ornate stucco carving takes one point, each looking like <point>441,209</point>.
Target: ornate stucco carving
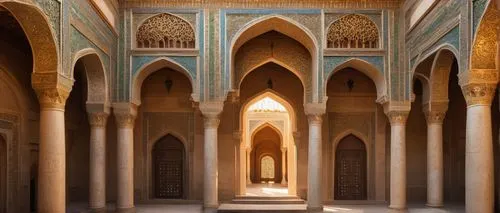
<point>353,31</point>
<point>125,120</point>
<point>165,31</point>
<point>484,51</point>
<point>52,98</point>
<point>478,86</point>
<point>98,119</point>
<point>397,117</point>
<point>434,116</point>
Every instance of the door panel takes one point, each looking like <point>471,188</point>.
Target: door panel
<point>350,170</point>
<point>168,173</point>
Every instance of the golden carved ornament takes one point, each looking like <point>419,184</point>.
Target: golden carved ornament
<point>315,118</point>
<point>353,31</point>
<point>165,31</point>
<point>211,121</point>
<point>479,94</point>
<point>397,117</point>
<point>98,119</point>
<point>484,49</point>
<point>52,98</point>
<point>434,117</point>
<point>125,120</point>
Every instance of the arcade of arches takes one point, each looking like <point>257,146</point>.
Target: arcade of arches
<point>187,109</point>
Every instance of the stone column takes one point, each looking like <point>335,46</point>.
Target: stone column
<point>211,112</point>
<point>125,114</point>
<point>52,150</point>
<point>283,166</point>
<point>434,158</point>
<point>314,114</point>
<point>479,183</point>
<point>248,151</point>
<point>97,158</point>
<point>398,159</point>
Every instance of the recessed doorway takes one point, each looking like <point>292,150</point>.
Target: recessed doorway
<point>168,172</point>
<point>350,169</point>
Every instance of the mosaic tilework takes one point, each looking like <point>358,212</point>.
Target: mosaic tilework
<point>188,62</point>
<point>478,8</point>
<point>331,62</point>
<point>52,9</point>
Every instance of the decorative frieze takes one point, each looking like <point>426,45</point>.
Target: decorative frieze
<point>263,4</point>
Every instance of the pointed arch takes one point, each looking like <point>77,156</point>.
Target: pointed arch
<point>96,74</point>
<point>151,67</point>
<point>263,125</point>
<point>366,68</point>
<point>41,38</point>
<point>348,132</point>
<point>439,78</point>
<point>285,26</point>
<point>275,96</point>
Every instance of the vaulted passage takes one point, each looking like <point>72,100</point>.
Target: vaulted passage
<point>350,169</point>
<point>265,157</point>
<point>168,173</point>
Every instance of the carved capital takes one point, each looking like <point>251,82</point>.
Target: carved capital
<point>125,114</point>
<point>315,118</point>
<point>98,119</point>
<point>125,120</point>
<point>52,98</point>
<point>434,117</point>
<point>478,86</point>
<point>398,117</point>
<point>478,94</point>
<point>211,121</point>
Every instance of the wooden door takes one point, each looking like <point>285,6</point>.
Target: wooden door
<point>168,155</point>
<point>350,169</point>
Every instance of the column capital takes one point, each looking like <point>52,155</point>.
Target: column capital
<point>315,112</point>
<point>98,119</point>
<point>397,117</point>
<point>479,85</point>
<point>52,89</point>
<point>434,117</point>
<point>125,114</point>
<point>211,109</point>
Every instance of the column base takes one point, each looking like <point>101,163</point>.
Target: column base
<point>434,205</point>
<point>97,210</point>
<point>125,210</point>
<point>311,209</point>
<point>211,209</point>
<point>284,183</point>
<point>397,208</point>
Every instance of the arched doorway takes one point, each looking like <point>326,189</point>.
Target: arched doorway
<point>350,169</point>
<point>266,156</point>
<point>267,169</point>
<point>3,175</point>
<point>168,168</point>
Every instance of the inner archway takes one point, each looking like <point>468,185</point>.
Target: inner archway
<point>265,156</point>
<point>168,163</point>
<point>350,169</point>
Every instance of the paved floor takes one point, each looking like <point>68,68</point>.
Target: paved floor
<point>197,208</point>
<point>270,189</point>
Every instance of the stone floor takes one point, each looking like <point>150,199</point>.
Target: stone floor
<point>270,189</point>
<point>197,208</point>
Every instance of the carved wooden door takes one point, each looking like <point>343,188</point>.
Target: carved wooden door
<point>350,169</point>
<point>168,157</point>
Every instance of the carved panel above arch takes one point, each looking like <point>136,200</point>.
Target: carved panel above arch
<point>353,31</point>
<point>165,31</point>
